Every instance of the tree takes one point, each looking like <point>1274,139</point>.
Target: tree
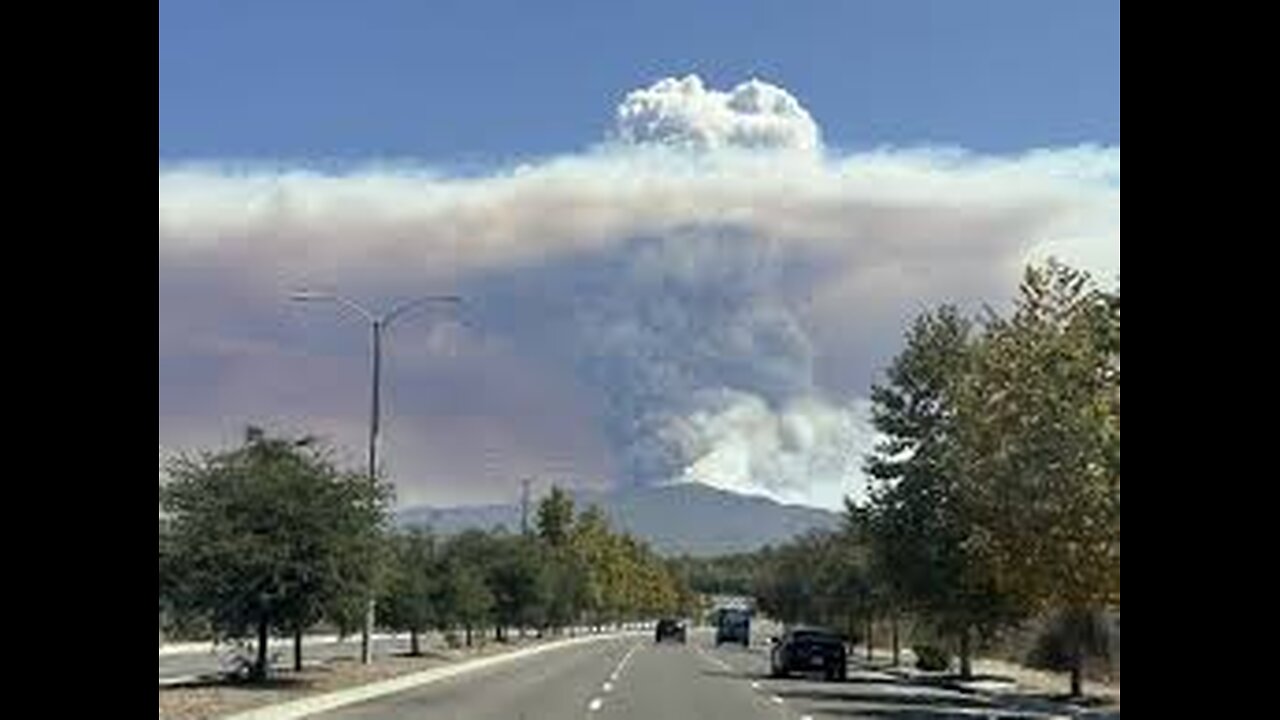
<point>568,572</point>
<point>1041,431</point>
<point>567,578</point>
<point>467,598</point>
<point>555,517</point>
<point>816,578</point>
<point>267,535</point>
<point>592,543</point>
<point>520,582</point>
<point>413,585</point>
<point>920,529</point>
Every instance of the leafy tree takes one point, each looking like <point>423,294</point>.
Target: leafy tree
<point>412,592</point>
<point>266,536</point>
<point>1040,424</point>
<point>555,517</point>
<point>467,599</point>
<point>520,582</point>
<point>920,529</point>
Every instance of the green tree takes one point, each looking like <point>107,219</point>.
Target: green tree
<point>467,598</point>
<point>412,591</point>
<point>1040,423</point>
<point>920,528</point>
<point>267,535</point>
<point>567,577</point>
<point>555,517</point>
<point>815,578</point>
<point>594,546</point>
<point>520,582</point>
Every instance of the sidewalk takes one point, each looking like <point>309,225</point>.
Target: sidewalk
<point>1010,684</point>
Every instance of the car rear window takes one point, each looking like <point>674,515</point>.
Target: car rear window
<point>818,638</point>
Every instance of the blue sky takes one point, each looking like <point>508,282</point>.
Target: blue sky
<point>483,81</point>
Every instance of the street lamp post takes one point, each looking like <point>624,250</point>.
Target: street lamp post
<point>377,324</point>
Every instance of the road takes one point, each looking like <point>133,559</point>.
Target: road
<point>632,678</point>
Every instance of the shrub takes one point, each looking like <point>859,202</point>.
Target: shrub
<point>932,658</point>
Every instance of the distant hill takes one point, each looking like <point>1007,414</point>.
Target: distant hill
<point>675,519</point>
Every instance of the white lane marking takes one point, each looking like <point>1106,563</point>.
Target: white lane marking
<point>595,704</point>
<point>806,717</point>
<point>618,670</point>
<point>777,700</point>
<point>720,663</point>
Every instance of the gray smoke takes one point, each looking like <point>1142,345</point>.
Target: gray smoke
<point>702,367</point>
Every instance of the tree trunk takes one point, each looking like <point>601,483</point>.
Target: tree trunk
<point>870,630</point>
<point>414,648</point>
<point>260,667</point>
<point>468,631</point>
<point>966,663</point>
<point>851,625</point>
<point>297,651</point>
<point>366,634</point>
<point>1077,658</point>
<point>897,647</point>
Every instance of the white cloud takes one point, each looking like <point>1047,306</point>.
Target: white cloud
<point>809,451</point>
<point>683,113</point>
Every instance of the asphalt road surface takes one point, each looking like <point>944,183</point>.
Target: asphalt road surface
<point>637,679</point>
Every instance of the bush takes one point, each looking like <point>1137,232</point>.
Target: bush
<point>932,658</point>
<point>1053,646</point>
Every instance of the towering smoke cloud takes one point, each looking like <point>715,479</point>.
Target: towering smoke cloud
<point>711,372</point>
<point>704,299</point>
<point>700,364</point>
<point>683,113</point>
<point>704,369</point>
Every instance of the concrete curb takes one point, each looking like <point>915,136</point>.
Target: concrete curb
<point>340,698</point>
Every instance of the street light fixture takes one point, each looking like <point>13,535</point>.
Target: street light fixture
<point>377,323</point>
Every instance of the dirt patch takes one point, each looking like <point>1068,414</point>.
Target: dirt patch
<point>216,699</point>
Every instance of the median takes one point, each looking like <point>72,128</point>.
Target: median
<point>344,680</point>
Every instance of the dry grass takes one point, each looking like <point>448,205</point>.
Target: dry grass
<point>222,698</point>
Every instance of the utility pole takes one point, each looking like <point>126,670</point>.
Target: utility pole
<point>377,324</point>
<point>524,507</point>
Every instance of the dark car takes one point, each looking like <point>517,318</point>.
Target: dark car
<point>670,629</point>
<point>806,650</point>
<point>733,626</point>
